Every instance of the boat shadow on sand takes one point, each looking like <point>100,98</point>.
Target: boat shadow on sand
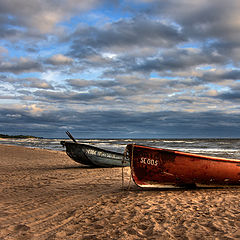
<point>52,168</point>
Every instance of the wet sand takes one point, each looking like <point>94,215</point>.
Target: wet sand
<point>46,195</point>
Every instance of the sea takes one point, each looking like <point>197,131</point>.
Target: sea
<point>224,147</point>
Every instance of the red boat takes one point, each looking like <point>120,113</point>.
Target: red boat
<point>156,167</point>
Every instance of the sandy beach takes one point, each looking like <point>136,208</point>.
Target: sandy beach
<point>46,195</point>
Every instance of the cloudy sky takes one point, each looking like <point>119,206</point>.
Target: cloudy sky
<point>130,68</point>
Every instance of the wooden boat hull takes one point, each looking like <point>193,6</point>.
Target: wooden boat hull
<point>154,167</point>
<point>93,156</point>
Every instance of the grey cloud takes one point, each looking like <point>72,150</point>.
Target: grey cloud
<point>171,59</point>
<point>59,59</point>
<point>36,83</point>
<point>43,15</point>
<point>26,83</point>
<point>206,19</point>
<point>233,96</point>
<point>136,32</point>
<point>228,48</point>
<point>162,38</point>
<point>125,124</point>
<point>120,88</point>
<point>20,65</point>
<point>53,96</point>
<point>177,59</point>
<point>92,96</point>
<point>218,77</point>
<point>126,89</point>
<point>233,74</point>
<point>80,83</point>
<point>5,21</point>
<point>215,23</point>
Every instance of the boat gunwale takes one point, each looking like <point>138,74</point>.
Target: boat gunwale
<point>206,157</point>
<point>93,147</point>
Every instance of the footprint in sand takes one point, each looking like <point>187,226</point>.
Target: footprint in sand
<point>23,232</point>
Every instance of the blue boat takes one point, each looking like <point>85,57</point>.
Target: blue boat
<point>94,156</point>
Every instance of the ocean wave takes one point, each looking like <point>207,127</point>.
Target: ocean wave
<point>203,146</point>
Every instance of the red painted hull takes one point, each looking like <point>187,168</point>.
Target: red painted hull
<point>154,167</point>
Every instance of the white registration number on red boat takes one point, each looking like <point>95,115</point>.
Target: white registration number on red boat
<point>148,161</point>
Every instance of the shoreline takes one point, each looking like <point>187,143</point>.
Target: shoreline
<point>46,195</point>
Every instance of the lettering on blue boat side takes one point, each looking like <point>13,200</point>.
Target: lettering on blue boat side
<point>101,154</point>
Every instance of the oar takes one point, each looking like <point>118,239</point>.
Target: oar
<point>70,136</point>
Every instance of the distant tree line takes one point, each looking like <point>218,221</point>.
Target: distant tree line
<point>16,136</point>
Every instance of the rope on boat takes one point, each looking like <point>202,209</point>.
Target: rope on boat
<point>131,164</point>
<point>123,161</point>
